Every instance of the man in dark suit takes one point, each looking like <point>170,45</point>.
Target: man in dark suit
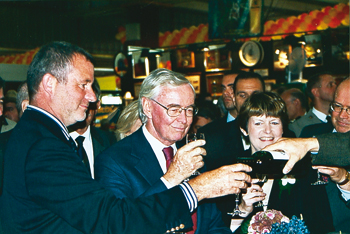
<point>95,139</point>
<point>47,187</point>
<point>136,166</point>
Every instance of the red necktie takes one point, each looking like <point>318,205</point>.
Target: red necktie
<point>169,154</point>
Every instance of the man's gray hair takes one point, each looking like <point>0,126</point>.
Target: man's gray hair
<point>155,81</point>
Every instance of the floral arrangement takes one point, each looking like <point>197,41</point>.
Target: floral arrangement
<point>262,221</point>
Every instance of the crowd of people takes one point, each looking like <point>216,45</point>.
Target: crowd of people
<point>61,174</point>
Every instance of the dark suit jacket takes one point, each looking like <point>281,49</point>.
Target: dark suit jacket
<point>223,143</point>
<point>47,189</point>
<point>130,169</point>
<point>100,140</point>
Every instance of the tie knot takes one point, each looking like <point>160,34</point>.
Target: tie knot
<point>80,140</point>
<point>168,152</point>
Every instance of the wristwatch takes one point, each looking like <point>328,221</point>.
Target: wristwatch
<point>346,180</point>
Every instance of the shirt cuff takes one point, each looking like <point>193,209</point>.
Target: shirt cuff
<point>166,183</point>
<point>190,196</point>
<point>345,193</point>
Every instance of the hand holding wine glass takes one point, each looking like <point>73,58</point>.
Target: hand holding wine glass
<point>254,194</point>
<point>194,137</point>
<point>186,161</point>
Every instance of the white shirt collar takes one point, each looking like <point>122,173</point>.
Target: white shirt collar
<point>320,115</point>
<point>157,147</point>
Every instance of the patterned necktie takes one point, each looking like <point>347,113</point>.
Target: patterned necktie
<point>82,153</point>
<point>169,154</point>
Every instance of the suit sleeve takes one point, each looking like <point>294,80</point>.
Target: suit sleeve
<point>334,149</point>
<point>57,180</point>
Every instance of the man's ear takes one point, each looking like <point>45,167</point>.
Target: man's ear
<point>243,131</point>
<point>24,104</point>
<point>315,92</point>
<point>49,83</point>
<point>297,102</point>
<point>147,107</point>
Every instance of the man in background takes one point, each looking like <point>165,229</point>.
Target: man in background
<point>296,102</point>
<point>5,124</point>
<point>228,96</point>
<point>320,88</point>
<point>10,110</point>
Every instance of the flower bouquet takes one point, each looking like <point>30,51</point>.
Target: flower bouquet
<point>274,222</point>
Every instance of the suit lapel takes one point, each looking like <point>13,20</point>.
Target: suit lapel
<point>146,161</point>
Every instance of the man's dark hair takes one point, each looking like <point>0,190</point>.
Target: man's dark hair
<point>298,94</point>
<point>242,75</point>
<point>55,58</point>
<point>2,83</point>
<point>313,82</point>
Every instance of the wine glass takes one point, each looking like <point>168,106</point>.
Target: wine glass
<point>193,137</point>
<point>262,179</point>
<point>319,180</point>
<point>236,210</point>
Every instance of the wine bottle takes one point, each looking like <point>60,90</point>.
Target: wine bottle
<point>269,162</point>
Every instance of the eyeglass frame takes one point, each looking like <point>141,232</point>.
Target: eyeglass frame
<point>347,109</point>
<point>195,109</point>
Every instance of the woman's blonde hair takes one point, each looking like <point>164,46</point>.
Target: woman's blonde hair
<point>127,119</point>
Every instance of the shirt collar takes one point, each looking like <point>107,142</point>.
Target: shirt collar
<point>154,142</point>
<point>63,127</point>
<point>230,117</point>
<point>320,115</point>
<point>86,134</point>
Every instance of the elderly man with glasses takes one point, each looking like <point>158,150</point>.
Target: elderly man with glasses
<point>330,203</point>
<point>150,161</point>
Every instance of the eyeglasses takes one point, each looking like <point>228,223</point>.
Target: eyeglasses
<point>338,108</point>
<point>175,111</point>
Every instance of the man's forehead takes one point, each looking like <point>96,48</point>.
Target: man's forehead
<point>229,79</point>
<point>249,84</point>
<point>327,78</point>
<point>1,93</point>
